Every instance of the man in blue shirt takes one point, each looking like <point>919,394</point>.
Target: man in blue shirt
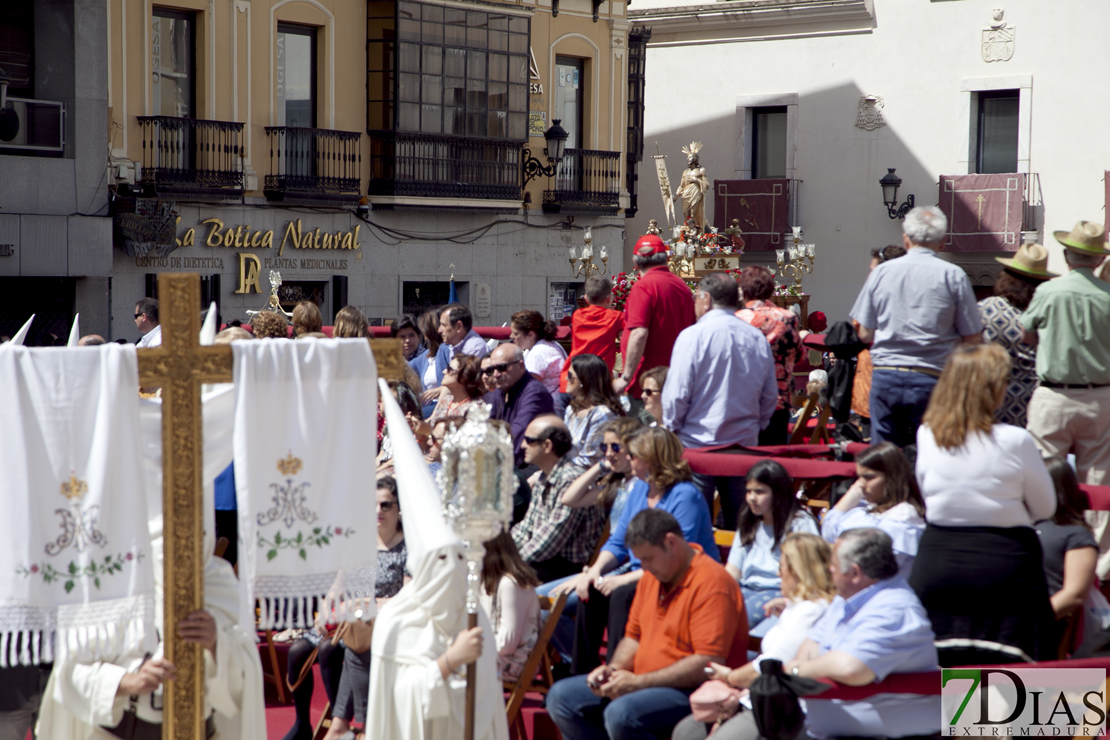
<point>874,627</point>
<point>914,310</point>
<point>721,387</point>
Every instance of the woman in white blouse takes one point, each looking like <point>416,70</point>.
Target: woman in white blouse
<point>543,357</point>
<point>885,496</point>
<point>508,595</point>
<point>978,570</point>
<point>807,590</point>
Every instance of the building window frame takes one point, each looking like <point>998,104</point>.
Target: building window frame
<point>419,57</point>
<point>970,90</point>
<point>313,34</point>
<point>746,108</point>
<point>192,18</point>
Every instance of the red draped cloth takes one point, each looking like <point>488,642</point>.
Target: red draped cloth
<point>762,206</point>
<point>984,211</point>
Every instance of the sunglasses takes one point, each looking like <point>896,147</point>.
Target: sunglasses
<point>531,440</point>
<point>452,370</point>
<point>138,315</point>
<point>386,505</point>
<point>610,447</point>
<point>649,392</point>
<point>499,368</point>
<point>571,376</point>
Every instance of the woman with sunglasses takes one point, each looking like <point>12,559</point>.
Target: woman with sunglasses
<point>651,388</point>
<point>605,590</point>
<point>349,689</point>
<point>462,381</point>
<point>592,403</point>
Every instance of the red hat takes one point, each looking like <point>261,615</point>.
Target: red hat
<point>650,244</point>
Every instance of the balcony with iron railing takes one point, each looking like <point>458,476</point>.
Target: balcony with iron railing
<point>314,165</point>
<point>436,166</point>
<point>586,180</point>
<point>186,156</point>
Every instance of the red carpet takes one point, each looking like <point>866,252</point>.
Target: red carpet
<point>280,718</point>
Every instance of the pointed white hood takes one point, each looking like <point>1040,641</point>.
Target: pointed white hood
<point>426,528</point>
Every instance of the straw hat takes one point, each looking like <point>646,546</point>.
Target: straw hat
<point>1029,260</point>
<point>1087,237</point>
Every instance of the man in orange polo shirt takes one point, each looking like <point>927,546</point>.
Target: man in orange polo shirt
<point>687,612</point>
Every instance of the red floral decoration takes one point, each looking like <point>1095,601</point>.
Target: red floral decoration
<point>817,322</point>
<point>622,286</point>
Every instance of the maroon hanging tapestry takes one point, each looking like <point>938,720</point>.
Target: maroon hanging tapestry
<point>984,211</point>
<point>761,206</point>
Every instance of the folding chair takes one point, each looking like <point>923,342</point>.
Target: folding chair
<point>811,405</point>
<point>538,662</point>
<point>274,675</point>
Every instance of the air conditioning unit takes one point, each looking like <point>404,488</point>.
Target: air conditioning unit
<point>37,125</point>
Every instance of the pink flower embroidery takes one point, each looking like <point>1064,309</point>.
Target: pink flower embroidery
<point>34,569</point>
<point>128,556</point>
<point>339,530</point>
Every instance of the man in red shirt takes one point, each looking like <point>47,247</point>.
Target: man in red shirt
<point>687,612</point>
<point>658,308</point>
<point>594,329</point>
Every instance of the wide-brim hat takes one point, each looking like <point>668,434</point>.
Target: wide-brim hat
<point>1087,237</point>
<point>1029,260</point>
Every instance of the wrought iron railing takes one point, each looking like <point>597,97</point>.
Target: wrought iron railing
<point>313,163</point>
<point>430,165</point>
<point>586,178</point>
<point>186,154</point>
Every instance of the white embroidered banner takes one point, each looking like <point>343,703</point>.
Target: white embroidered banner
<point>76,555</point>
<point>304,476</point>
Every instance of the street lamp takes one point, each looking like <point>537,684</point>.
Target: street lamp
<point>556,138</point>
<point>890,183</point>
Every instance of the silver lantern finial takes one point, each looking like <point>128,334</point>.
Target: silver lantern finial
<point>477,483</point>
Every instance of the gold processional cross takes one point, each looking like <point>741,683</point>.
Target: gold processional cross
<point>980,200</point>
<point>180,366</point>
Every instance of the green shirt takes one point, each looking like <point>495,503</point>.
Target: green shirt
<point>1071,316</point>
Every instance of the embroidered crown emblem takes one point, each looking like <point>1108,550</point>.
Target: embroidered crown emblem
<point>74,487</point>
<point>289,465</point>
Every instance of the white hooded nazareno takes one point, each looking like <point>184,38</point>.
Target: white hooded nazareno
<point>408,696</point>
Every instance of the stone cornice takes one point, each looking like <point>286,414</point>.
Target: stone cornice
<point>740,20</point>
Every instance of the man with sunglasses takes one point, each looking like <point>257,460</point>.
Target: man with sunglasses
<point>556,540</point>
<point>520,398</point>
<point>146,321</point>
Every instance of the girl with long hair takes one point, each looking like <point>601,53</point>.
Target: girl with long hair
<point>770,511</point>
<point>508,595</point>
<point>350,322</point>
<point>885,495</point>
<point>543,356</point>
<point>1070,550</point>
<point>592,403</point>
<point>807,590</point>
<point>978,571</point>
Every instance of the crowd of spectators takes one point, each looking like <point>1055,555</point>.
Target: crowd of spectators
<point>963,540</point>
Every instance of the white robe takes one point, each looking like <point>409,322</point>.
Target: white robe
<point>408,696</point>
<point>81,696</point>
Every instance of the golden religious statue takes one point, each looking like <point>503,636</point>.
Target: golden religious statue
<point>693,187</point>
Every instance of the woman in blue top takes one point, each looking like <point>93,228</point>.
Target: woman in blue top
<point>769,512</point>
<point>605,590</point>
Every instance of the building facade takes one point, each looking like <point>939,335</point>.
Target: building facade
<point>369,152</point>
<point>55,230</point>
<point>802,106</point>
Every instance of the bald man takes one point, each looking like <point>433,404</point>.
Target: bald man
<point>556,540</point>
<point>91,340</point>
<point>520,397</point>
